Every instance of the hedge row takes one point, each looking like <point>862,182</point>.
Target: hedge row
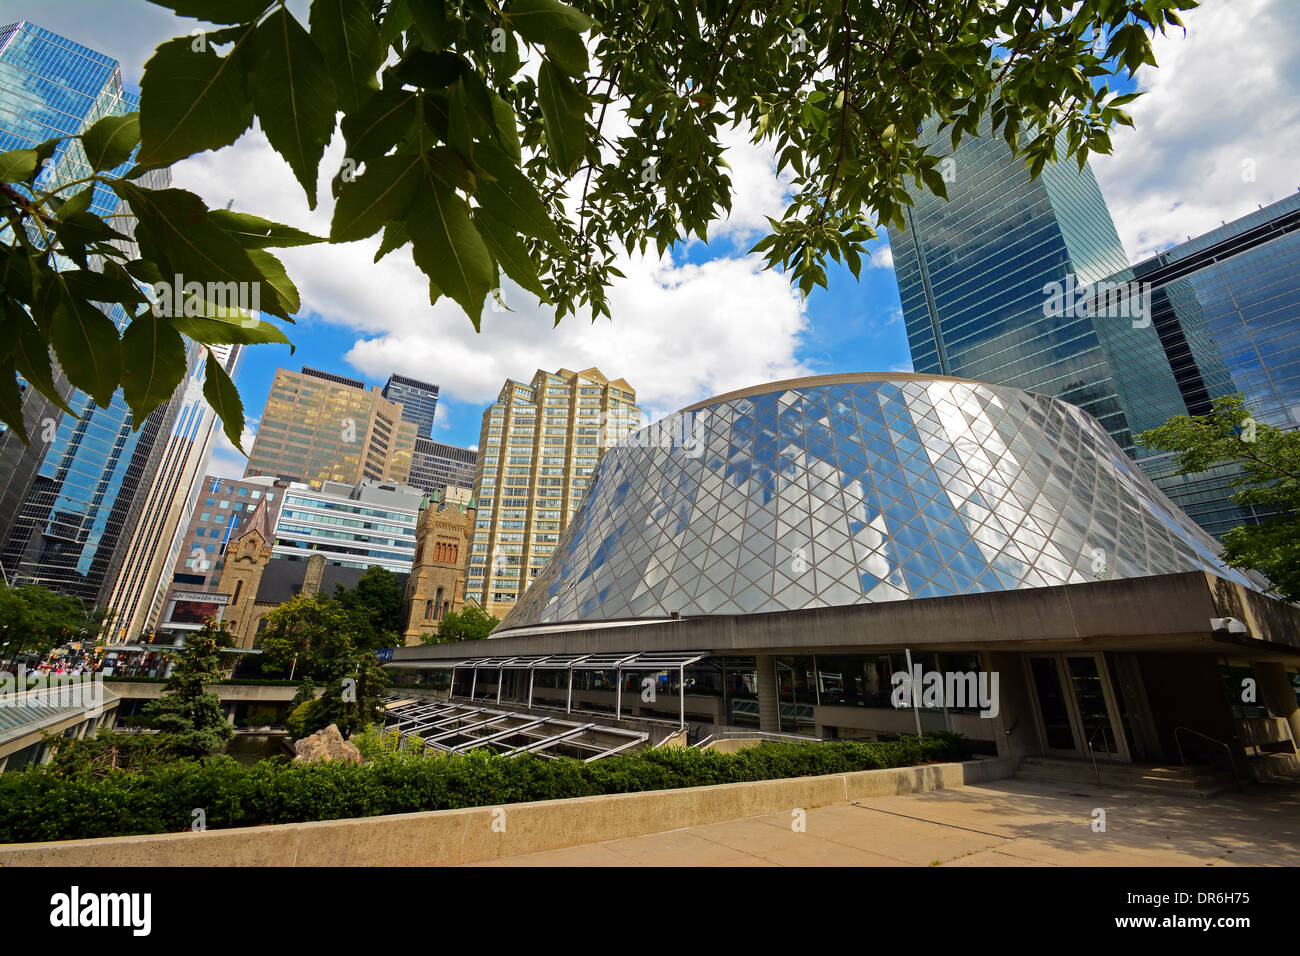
<point>37,805</point>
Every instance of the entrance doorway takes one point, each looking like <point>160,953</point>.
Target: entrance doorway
<point>1075,706</point>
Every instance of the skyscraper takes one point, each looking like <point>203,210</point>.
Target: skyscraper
<point>419,401</point>
<point>1224,308</point>
<point>318,427</point>
<point>1025,283</point>
<point>972,270</point>
<point>538,446</point>
<point>436,466</point>
<point>136,599</point>
<point>70,499</point>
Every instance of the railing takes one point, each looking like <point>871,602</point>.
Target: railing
<point>1232,760</point>
<point>1092,751</point>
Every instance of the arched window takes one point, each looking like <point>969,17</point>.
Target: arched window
<point>438,600</point>
<point>428,610</point>
<point>239,587</point>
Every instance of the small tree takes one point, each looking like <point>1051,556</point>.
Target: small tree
<point>317,632</point>
<point>189,719</point>
<point>471,623</point>
<point>378,607</point>
<point>1268,460</point>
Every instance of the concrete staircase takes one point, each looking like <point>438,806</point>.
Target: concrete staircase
<point>1194,781</point>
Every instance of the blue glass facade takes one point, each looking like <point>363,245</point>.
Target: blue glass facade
<point>978,274</point>
<point>69,500</point>
<point>419,401</point>
<point>1225,309</point>
<point>972,270</point>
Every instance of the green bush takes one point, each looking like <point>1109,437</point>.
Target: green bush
<point>38,804</point>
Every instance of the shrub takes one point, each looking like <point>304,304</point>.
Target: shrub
<point>42,804</point>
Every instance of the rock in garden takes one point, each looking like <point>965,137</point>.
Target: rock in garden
<point>327,744</point>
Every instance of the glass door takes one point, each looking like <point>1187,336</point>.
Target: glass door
<point>1054,711</point>
<point>1077,712</point>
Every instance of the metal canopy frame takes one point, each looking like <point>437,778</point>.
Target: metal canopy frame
<point>458,727</point>
<point>613,661</point>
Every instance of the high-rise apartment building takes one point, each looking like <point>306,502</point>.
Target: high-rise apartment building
<point>419,401</point>
<point>1023,282</point>
<point>70,499</point>
<point>318,427</point>
<point>136,599</point>
<point>437,467</point>
<point>538,446</point>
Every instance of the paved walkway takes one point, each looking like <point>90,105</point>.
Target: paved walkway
<point>1008,823</point>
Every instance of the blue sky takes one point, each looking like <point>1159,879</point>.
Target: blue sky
<point>707,319</point>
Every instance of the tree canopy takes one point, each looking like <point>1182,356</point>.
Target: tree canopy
<point>470,623</point>
<point>533,139</point>
<point>34,619</point>
<point>1267,462</point>
<point>189,719</point>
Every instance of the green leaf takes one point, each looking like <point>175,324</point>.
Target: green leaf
<point>221,394</point>
<point>78,204</point>
<point>567,51</point>
<point>382,193</point>
<point>507,126</point>
<point>31,357</point>
<point>153,364</point>
<point>11,401</point>
<point>395,237</point>
<point>17,165</point>
<point>174,224</point>
<point>293,93</point>
<point>216,11</point>
<point>537,19</point>
<point>273,270</point>
<point>448,249</point>
<point>109,142</point>
<point>377,127</point>
<point>85,342</point>
<point>430,17</point>
<point>236,330</point>
<point>564,112</point>
<point>191,100</point>
<point>513,198</point>
<point>510,253</point>
<point>346,35</point>
<point>254,232</point>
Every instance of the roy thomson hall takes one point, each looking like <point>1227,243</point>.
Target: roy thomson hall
<point>768,560</point>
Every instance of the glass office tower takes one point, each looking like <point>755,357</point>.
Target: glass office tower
<point>68,501</point>
<point>1225,308</point>
<point>972,270</point>
<point>419,401</point>
<point>979,274</point>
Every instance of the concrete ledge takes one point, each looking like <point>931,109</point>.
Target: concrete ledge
<point>448,837</point>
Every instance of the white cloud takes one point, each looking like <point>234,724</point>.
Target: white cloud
<point>1223,106</point>
<point>226,460</point>
<point>680,332</point>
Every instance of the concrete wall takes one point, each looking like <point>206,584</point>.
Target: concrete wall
<point>448,837</point>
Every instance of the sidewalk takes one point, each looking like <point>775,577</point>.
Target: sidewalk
<point>1009,823</point>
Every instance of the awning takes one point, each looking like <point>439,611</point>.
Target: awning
<point>456,727</point>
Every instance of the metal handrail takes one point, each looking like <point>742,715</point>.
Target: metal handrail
<point>1232,760</point>
<point>1092,751</point>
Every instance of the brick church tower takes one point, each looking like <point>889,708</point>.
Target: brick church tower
<point>436,586</point>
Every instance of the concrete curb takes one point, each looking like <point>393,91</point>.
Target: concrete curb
<point>473,835</point>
